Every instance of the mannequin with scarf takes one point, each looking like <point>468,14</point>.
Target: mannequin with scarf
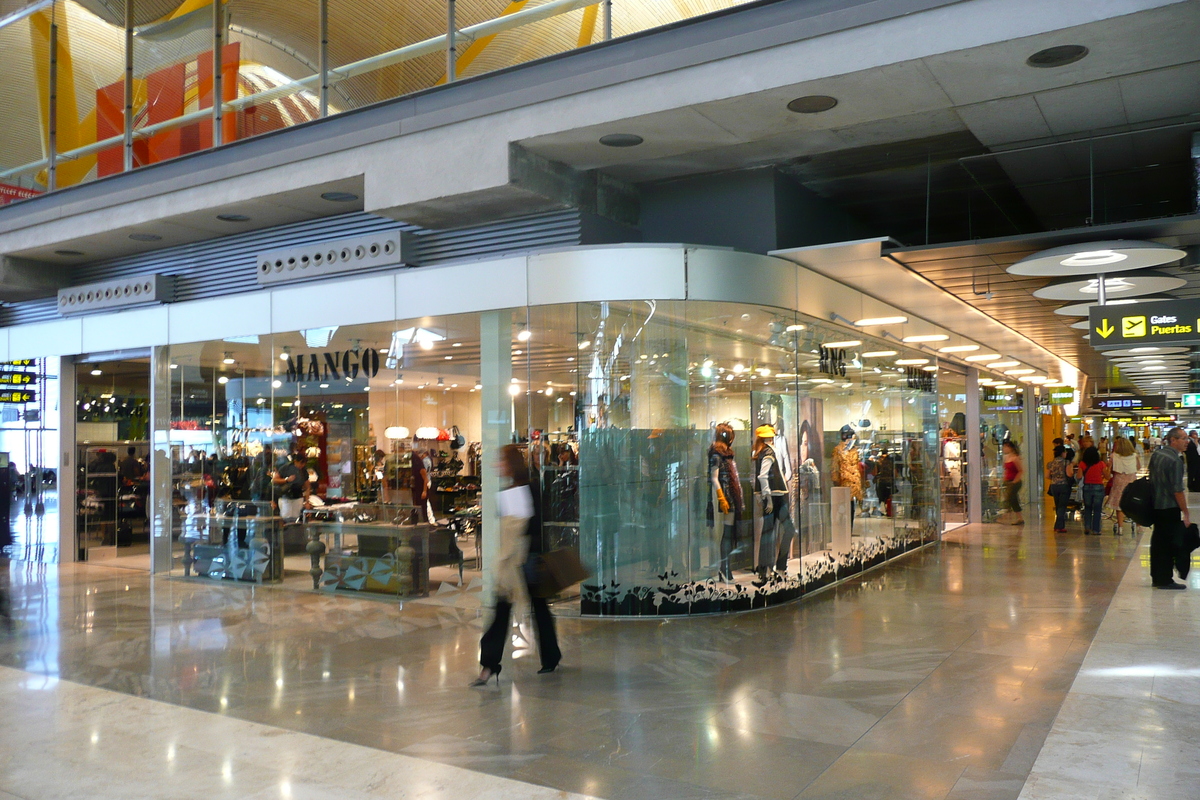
<point>725,499</point>
<point>777,530</point>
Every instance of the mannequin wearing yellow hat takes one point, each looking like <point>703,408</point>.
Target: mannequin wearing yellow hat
<point>771,491</point>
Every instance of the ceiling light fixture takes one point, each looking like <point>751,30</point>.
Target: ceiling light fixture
<point>925,337</point>
<point>621,140</point>
<point>1058,56</point>
<point>812,104</point>
<point>97,371</point>
<point>881,354</point>
<point>233,217</point>
<point>1093,258</point>
<point>228,359</point>
<point>339,197</point>
<point>524,335</point>
<point>794,328</point>
<point>1129,285</point>
<point>1003,364</point>
<point>911,362</point>
<point>1019,371</point>
<point>873,321</point>
<point>838,345</point>
<point>982,357</point>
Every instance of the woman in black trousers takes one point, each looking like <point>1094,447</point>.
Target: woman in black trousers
<point>520,535</point>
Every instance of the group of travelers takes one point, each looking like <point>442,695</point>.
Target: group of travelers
<point>1099,473</point>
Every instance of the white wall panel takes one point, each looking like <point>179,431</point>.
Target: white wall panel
<point>236,315</point>
<point>618,272</point>
<point>732,276</point>
<point>60,338</point>
<point>461,288</point>
<point>139,327</point>
<point>340,302</point>
<point>4,344</point>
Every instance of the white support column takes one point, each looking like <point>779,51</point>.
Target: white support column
<point>974,450</point>
<point>1031,454</point>
<point>68,548</point>
<point>161,555</point>
<point>495,359</point>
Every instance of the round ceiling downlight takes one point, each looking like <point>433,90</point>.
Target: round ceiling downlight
<point>1057,56</point>
<point>1117,287</point>
<point>1092,258</point>
<point>621,140</point>
<point>812,104</point>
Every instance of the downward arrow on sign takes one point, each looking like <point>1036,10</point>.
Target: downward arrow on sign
<point>1105,330</point>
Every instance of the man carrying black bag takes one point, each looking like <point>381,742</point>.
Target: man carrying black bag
<point>1170,509</point>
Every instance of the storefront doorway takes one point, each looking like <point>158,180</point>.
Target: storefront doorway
<point>111,458</point>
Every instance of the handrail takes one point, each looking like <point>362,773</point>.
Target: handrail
<point>390,58</point>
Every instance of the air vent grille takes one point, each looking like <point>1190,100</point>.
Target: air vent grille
<point>320,260</point>
<point>121,293</point>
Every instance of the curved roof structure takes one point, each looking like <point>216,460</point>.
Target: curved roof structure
<point>277,43</point>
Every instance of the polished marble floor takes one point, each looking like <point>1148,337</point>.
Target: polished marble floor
<point>938,676</point>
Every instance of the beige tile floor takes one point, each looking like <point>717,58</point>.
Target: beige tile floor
<point>1130,726</point>
<point>938,676</point>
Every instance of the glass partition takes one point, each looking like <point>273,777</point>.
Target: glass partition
<point>952,447</point>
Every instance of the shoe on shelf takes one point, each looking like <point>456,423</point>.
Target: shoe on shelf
<point>1172,585</point>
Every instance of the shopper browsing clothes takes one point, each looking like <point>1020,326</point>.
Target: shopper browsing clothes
<point>1170,510</point>
<point>291,480</point>
<point>520,534</point>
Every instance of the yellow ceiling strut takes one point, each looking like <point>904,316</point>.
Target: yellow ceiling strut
<point>480,44</point>
<point>588,28</point>
<point>72,132</point>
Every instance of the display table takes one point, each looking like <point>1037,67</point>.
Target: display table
<point>235,546</point>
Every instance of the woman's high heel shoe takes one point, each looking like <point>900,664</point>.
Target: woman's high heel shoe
<point>485,676</point>
<point>547,670</point>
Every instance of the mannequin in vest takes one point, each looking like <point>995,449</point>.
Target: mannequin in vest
<point>725,499</point>
<point>777,530</point>
<point>847,468</point>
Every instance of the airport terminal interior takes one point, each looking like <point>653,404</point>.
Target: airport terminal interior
<point>619,399</point>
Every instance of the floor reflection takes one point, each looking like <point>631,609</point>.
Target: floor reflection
<point>929,677</point>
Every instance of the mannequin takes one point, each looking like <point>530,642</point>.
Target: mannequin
<point>725,499</point>
<point>847,468</point>
<point>808,489</point>
<point>771,490</point>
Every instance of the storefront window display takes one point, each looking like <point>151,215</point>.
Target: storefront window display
<point>638,418</point>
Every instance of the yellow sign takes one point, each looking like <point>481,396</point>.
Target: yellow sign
<point>1133,327</point>
<point>1105,330</point>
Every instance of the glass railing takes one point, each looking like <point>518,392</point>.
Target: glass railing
<point>95,89</point>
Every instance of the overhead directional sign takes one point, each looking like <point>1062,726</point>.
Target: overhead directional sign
<point>1191,400</point>
<point>16,378</point>
<point>18,396</point>
<point>1169,322</point>
<point>1130,402</point>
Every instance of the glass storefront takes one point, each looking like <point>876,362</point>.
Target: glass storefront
<point>952,447</point>
<point>29,436</point>
<point>1001,419</point>
<point>617,407</point>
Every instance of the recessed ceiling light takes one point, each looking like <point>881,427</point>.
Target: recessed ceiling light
<point>911,362</point>
<point>1019,371</point>
<point>97,372</point>
<point>880,354</point>
<point>1057,56</point>
<point>145,237</point>
<point>987,357</point>
<point>67,253</point>
<point>873,321</point>
<point>1003,364</point>
<point>928,337</point>
<point>812,104</point>
<point>233,217</point>
<point>959,348</point>
<point>339,197</point>
<point>621,140</point>
<point>847,343</point>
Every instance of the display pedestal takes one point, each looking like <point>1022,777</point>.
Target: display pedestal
<point>839,505</point>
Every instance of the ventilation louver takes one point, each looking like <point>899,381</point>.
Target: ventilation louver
<point>370,252</point>
<point>142,290</point>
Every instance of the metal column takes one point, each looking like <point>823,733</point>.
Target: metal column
<point>52,134</point>
<point>128,145</point>
<point>161,553</point>
<point>218,90</point>
<point>451,48</point>
<point>607,19</point>
<point>323,54</point>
